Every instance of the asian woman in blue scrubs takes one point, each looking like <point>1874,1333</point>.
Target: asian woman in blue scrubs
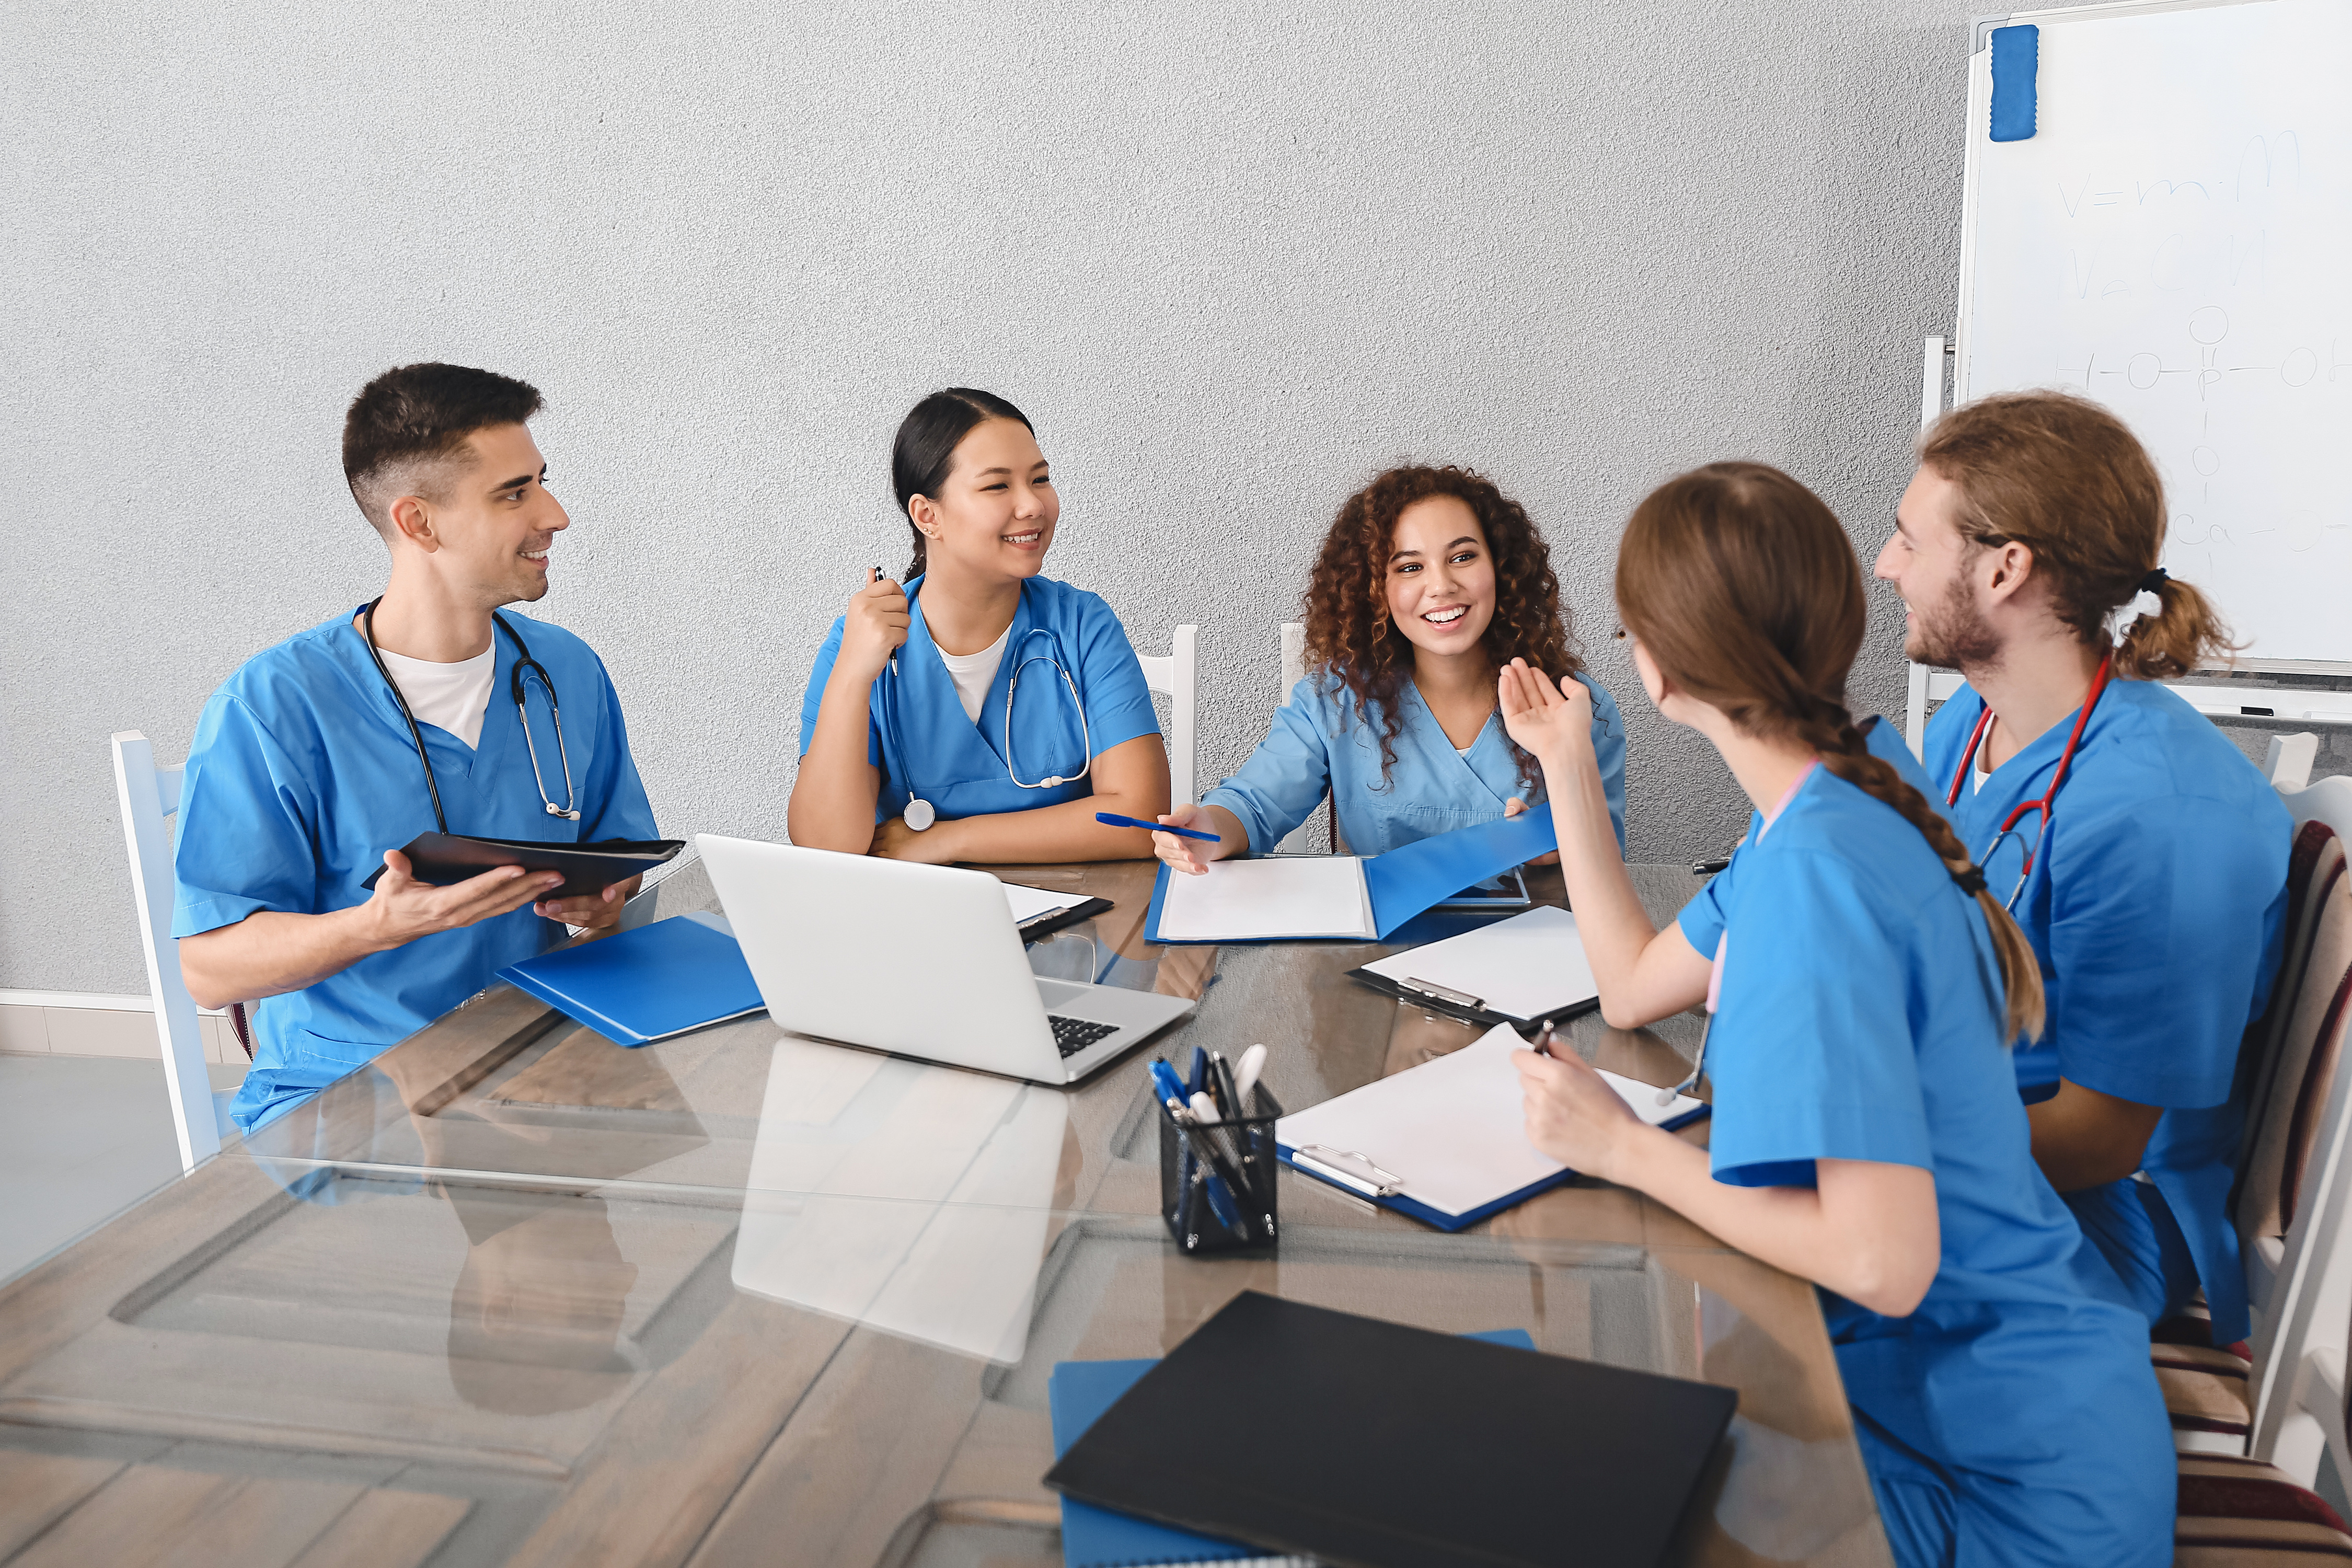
<point>436,705</point>
<point>2026,551</point>
<point>983,712</point>
<point>1863,988</point>
<point>1429,581</point>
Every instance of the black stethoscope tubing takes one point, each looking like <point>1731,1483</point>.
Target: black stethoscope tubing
<point>523,661</point>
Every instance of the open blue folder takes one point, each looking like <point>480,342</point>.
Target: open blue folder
<point>1410,879</point>
<point>1078,1393</point>
<point>638,986</point>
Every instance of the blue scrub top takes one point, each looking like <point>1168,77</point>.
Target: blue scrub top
<point>917,732</point>
<point>302,774</point>
<point>1859,1018</point>
<point>1320,743</point>
<point>2157,906</point>
<point>1702,918</point>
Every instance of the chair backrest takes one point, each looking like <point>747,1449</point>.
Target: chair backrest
<point>1178,674</point>
<point>2301,1036</point>
<point>148,795</point>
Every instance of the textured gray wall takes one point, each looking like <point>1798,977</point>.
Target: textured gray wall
<point>1231,261</point>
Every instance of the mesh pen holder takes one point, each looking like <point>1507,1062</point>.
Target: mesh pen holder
<point>1244,1150</point>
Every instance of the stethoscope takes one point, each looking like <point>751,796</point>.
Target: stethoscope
<point>523,661</point>
<point>2065,758</point>
<point>919,813</point>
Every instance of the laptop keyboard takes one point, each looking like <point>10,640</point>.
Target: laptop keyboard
<point>1072,1036</point>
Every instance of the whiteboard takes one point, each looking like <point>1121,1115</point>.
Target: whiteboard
<point>2175,240</point>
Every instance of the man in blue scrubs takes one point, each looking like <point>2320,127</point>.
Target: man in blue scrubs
<point>305,778</point>
<point>2026,552</point>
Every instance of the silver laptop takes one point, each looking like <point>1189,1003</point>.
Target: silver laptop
<point>922,961</point>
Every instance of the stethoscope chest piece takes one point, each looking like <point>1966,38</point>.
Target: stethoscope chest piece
<point>919,815</point>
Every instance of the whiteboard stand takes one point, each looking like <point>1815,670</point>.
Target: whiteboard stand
<point>1928,684</point>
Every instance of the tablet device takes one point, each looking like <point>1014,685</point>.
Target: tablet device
<point>1507,891</point>
<point>443,859</point>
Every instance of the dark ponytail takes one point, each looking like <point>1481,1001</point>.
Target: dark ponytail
<point>924,452</point>
<point>1745,589</point>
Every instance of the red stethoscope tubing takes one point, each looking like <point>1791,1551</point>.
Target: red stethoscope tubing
<point>2065,759</point>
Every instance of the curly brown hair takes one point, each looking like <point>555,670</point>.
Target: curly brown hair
<point>1348,632</point>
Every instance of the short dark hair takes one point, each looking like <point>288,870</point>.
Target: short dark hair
<point>924,451</point>
<point>418,416</point>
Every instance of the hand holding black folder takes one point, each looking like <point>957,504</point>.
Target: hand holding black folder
<point>444,859</point>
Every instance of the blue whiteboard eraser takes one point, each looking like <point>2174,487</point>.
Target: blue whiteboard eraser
<point>2016,53</point>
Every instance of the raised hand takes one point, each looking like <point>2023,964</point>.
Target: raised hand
<point>872,627</point>
<point>1552,722</point>
<point>1191,855</point>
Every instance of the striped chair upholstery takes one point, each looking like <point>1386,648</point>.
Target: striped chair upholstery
<point>2236,1512</point>
<point>2207,1388</point>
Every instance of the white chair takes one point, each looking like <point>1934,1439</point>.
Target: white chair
<point>1299,841</point>
<point>148,794</point>
<point>1179,675</point>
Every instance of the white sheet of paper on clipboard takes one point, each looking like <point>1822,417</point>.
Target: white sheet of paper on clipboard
<point>1528,967</point>
<point>1447,1139</point>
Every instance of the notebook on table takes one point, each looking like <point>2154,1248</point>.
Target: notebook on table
<point>1303,1430</point>
<point>635,987</point>
<point>1344,897</point>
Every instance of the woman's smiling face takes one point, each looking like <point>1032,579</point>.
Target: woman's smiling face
<point>1441,576</point>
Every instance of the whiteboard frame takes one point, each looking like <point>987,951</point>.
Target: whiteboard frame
<point>1980,108</point>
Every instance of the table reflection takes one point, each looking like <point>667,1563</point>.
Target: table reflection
<point>906,1197</point>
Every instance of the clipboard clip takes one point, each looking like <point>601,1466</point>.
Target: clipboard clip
<point>1445,994</point>
<point>1357,1169</point>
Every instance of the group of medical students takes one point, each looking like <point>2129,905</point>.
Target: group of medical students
<point>1974,1029</point>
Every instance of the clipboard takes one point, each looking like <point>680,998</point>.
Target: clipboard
<point>1536,955</point>
<point>1052,920</point>
<point>443,859</point>
<point>1456,1121</point>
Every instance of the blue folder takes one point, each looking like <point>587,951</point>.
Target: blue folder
<point>1078,1392</point>
<point>638,986</point>
<point>1418,876</point>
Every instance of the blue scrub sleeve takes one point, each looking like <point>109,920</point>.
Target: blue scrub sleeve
<point>244,835</point>
<point>2150,991</point>
<point>1118,701</point>
<point>622,809</point>
<point>1813,1053</point>
<point>1609,749</point>
<point>812,700</point>
<point>1285,779</point>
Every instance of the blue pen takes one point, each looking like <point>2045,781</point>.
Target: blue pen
<point>1113,819</point>
<point>1171,1089</point>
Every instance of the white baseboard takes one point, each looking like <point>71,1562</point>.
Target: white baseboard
<point>89,1024</point>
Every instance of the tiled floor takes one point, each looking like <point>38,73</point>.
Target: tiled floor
<point>81,1139</point>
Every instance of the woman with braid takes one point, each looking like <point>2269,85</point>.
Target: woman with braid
<point>1864,989</point>
<point>1430,580</point>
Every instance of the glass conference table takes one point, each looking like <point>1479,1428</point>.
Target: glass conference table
<point>514,1295</point>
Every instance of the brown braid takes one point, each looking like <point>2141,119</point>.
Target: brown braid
<point>1744,588</point>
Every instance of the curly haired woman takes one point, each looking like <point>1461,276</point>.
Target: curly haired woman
<point>1429,582</point>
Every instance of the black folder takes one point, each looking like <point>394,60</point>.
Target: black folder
<point>1304,1430</point>
<point>442,859</point>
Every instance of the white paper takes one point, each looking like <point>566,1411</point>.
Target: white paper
<point>1029,902</point>
<point>1453,1130</point>
<point>1523,967</point>
<point>1266,900</point>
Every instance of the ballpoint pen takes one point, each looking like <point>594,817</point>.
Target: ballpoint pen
<point>1217,1181</point>
<point>1113,819</point>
